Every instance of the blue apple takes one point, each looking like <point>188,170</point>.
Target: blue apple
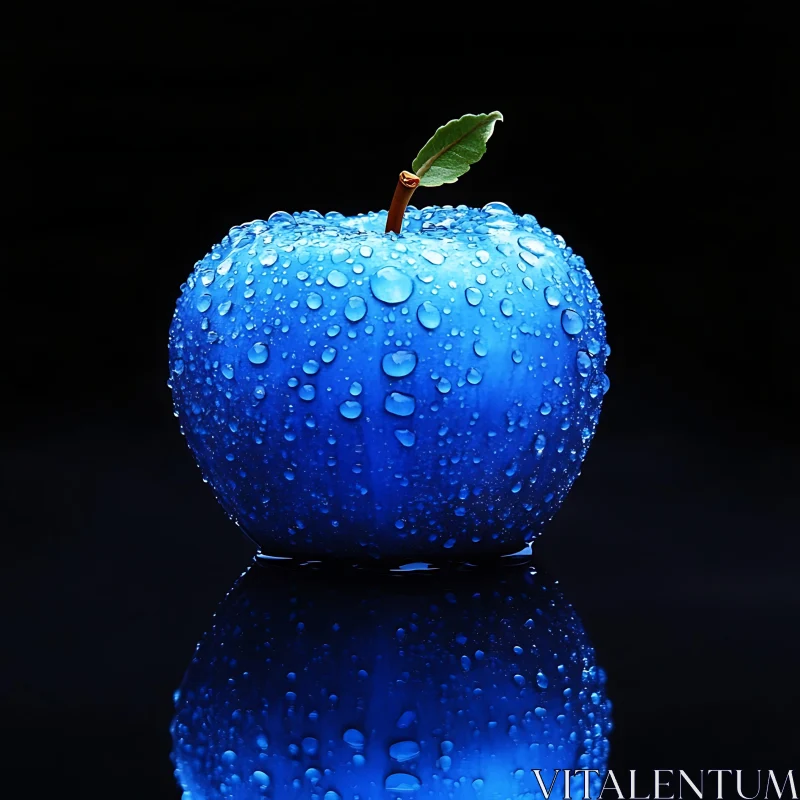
<point>349,391</point>
<point>314,682</point>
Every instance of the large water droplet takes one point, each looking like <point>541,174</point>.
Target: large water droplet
<point>224,307</point>
<point>406,719</point>
<point>480,347</point>
<point>553,296</point>
<point>311,367</point>
<point>405,437</point>
<point>314,301</point>
<point>443,385</point>
<point>541,680</point>
<point>350,409</point>
<point>433,257</point>
<point>402,405</point>
<point>400,363</point>
<point>281,218</point>
<point>339,254</point>
<point>402,782</point>
<point>571,321</point>
<point>404,751</point>
<point>204,302</point>
<point>391,286</point>
<point>545,408</point>
<point>365,251</point>
<point>261,779</point>
<point>506,307</point>
<point>328,354</point>
<point>498,209</point>
<point>355,309</point>
<point>354,738</point>
<point>429,316</point>
<point>227,371</point>
<point>268,258</point>
<point>307,392</point>
<point>473,295</point>
<point>258,353</point>
<point>584,363</point>
<point>540,443</point>
<point>337,279</point>
<point>310,746</point>
<point>473,376</point>
<point>532,245</point>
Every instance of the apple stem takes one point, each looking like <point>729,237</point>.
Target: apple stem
<point>406,184</point>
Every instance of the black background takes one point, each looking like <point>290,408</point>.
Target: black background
<point>663,157</point>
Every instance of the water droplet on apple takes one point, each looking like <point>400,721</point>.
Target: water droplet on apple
<point>400,363</point>
<point>545,408</point>
<point>307,392</point>
<point>339,254</point>
<point>365,251</point>
<point>268,258</point>
<point>337,279</point>
<point>516,356</point>
<point>480,347</point>
<point>203,302</point>
<point>443,385</point>
<point>391,286</point>
<point>224,307</point>
<point>356,388</point>
<point>261,779</point>
<point>473,295</point>
<point>258,353</point>
<point>354,738</point>
<point>584,363</point>
<point>328,354</point>
<point>227,371</point>
<point>553,296</point>
<point>532,245</point>
<point>405,437</point>
<point>402,782</point>
<point>497,209</point>
<point>207,277</point>
<point>506,307</point>
<point>539,444</point>
<point>571,321</point>
<point>311,367</point>
<point>350,409</point>
<point>473,376</point>
<point>541,680</point>
<point>433,257</point>
<point>314,301</point>
<point>399,404</point>
<point>355,309</point>
<point>404,751</point>
<point>280,219</point>
<point>429,316</point>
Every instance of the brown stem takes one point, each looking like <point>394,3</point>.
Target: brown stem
<point>406,184</point>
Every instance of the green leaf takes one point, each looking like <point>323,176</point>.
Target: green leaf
<point>450,151</point>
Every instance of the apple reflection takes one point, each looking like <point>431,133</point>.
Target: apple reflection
<point>338,682</point>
